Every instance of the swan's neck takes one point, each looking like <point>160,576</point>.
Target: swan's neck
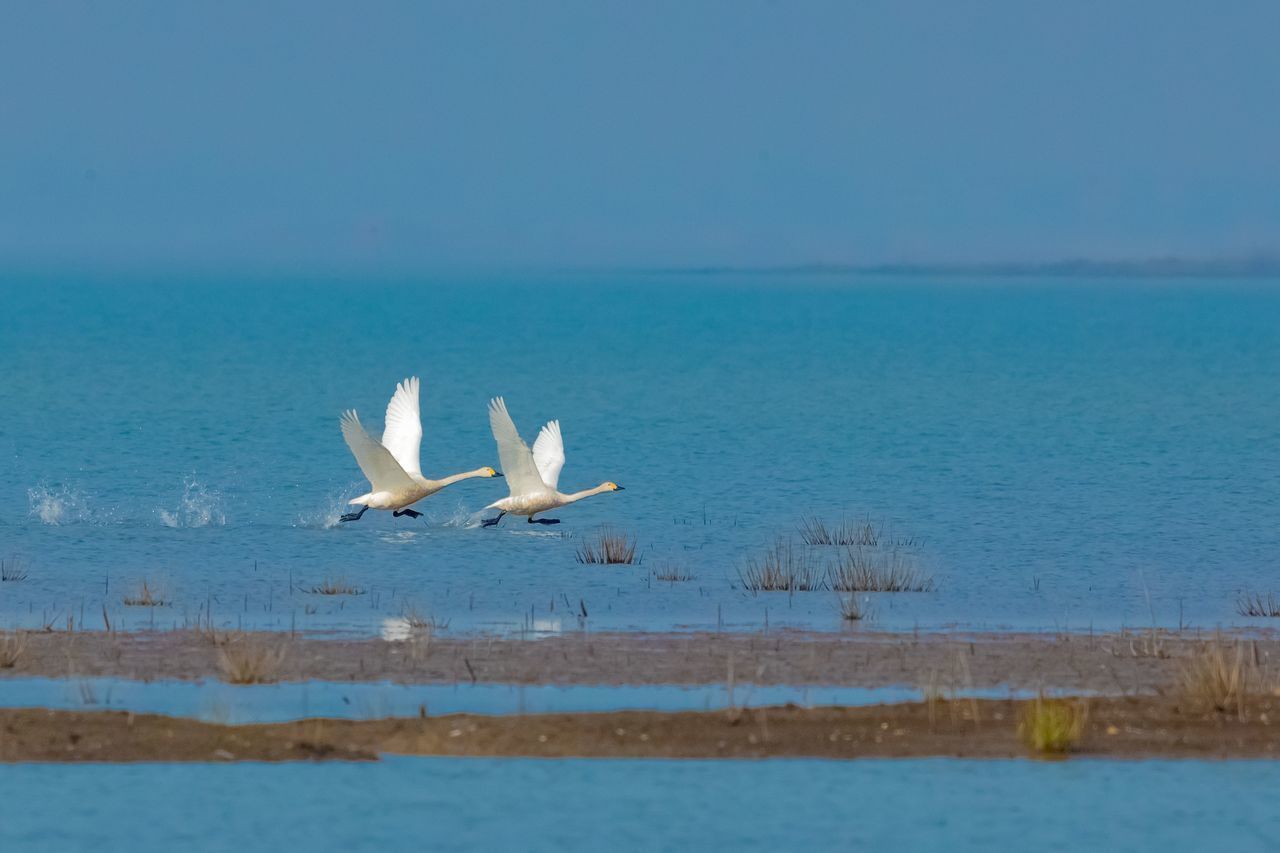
<point>465,475</point>
<point>586,493</point>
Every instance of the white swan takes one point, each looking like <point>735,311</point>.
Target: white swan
<point>532,475</point>
<point>392,464</point>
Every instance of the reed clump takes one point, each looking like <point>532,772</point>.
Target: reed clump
<point>416,620</point>
<point>144,596</point>
<point>1256,604</point>
<point>782,568</point>
<point>860,569</point>
<point>1052,726</point>
<point>12,646</point>
<point>848,532</point>
<point>607,547</point>
<point>251,661</point>
<point>854,609</point>
<point>1219,678</point>
<point>673,572</point>
<point>12,571</point>
<point>335,586</point>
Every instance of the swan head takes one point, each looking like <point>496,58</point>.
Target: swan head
<point>612,486</point>
<point>491,472</point>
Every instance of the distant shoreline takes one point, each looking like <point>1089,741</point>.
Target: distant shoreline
<point>1259,267</point>
<point>1244,267</point>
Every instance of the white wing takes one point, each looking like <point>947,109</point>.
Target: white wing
<point>377,463</point>
<point>548,453</point>
<point>516,458</point>
<point>402,434</point>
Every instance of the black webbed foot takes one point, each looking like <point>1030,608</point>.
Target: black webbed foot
<point>354,516</point>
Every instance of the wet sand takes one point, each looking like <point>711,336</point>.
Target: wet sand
<point>1116,664</point>
<point>1148,727</point>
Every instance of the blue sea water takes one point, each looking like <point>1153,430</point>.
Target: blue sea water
<point>535,805</point>
<point>1073,453</point>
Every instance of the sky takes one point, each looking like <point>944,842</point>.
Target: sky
<point>313,135</point>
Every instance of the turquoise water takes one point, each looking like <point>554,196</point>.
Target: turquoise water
<point>265,703</point>
<point>1073,453</point>
<point>486,804</point>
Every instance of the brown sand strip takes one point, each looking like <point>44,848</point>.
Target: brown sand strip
<point>1102,663</point>
<point>1117,728</point>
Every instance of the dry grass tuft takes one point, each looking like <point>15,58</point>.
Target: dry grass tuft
<point>1256,604</point>
<point>608,547</point>
<point>672,572</point>
<point>335,586</point>
<point>418,621</point>
<point>144,597</point>
<point>853,609</point>
<point>1217,677</point>
<point>250,661</point>
<point>783,568</point>
<point>814,531</point>
<point>865,533</point>
<point>11,648</point>
<point>12,571</point>
<point>1052,727</point>
<point>859,570</point>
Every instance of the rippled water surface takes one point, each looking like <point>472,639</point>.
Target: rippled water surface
<point>1070,453</point>
<point>522,804</point>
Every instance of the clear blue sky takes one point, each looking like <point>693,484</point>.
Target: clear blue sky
<point>419,135</point>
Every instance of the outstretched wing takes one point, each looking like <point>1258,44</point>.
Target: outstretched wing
<point>377,463</point>
<point>402,434</point>
<point>517,460</point>
<point>548,454</point>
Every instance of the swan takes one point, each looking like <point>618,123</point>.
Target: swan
<point>392,463</point>
<point>532,475</point>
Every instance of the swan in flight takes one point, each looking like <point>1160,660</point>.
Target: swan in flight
<point>532,475</point>
<point>392,463</point>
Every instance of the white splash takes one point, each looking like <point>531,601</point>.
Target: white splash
<point>399,537</point>
<point>326,515</point>
<point>459,516</point>
<point>200,507</point>
<point>62,505</point>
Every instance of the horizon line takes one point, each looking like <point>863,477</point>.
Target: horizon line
<point>1256,265</point>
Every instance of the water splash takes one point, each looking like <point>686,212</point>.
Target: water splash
<point>200,507</point>
<point>459,516</point>
<point>399,537</point>
<point>327,515</point>
<point>58,505</point>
